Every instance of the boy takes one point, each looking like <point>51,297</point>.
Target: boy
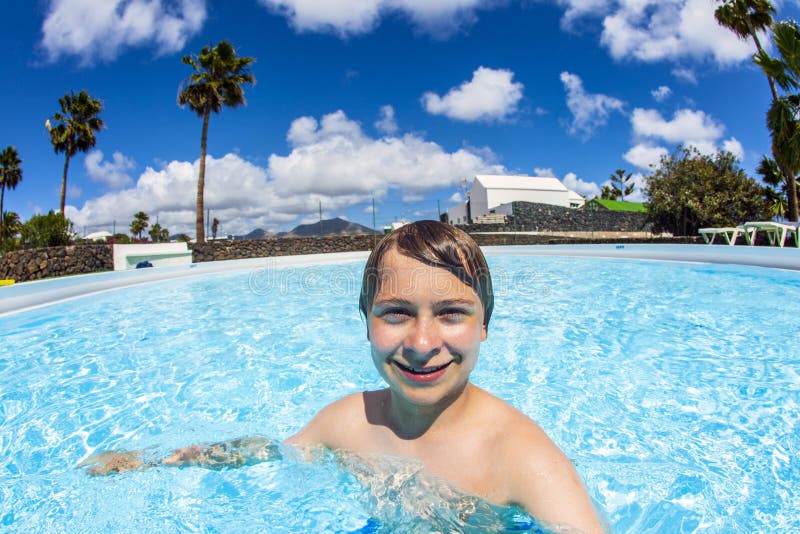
<point>427,298</point>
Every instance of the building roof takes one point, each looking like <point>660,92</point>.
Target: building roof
<point>538,183</point>
<point>621,205</point>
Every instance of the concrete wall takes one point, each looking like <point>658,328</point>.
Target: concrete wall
<point>502,196</point>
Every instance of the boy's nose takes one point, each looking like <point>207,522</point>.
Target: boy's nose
<point>423,341</point>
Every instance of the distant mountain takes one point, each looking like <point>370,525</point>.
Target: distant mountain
<point>258,233</point>
<point>335,226</point>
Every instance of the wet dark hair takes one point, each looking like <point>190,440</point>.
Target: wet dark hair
<point>438,245</point>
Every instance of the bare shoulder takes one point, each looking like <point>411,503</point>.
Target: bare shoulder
<point>538,474</point>
<point>333,424</point>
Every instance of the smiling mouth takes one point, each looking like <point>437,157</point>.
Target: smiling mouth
<point>421,371</point>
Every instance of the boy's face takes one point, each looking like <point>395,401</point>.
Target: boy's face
<point>425,327</point>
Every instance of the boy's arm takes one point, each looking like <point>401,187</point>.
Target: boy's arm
<point>333,426</point>
<point>233,453</point>
<point>547,485</point>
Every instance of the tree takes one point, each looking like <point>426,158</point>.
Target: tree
<point>217,81</point>
<point>746,18</point>
<point>782,117</point>
<point>158,234</point>
<point>608,193</point>
<point>690,190</point>
<point>51,230</point>
<point>74,130</point>
<point>10,177</point>
<point>214,227</point>
<point>139,224</point>
<point>620,186</point>
<point>775,190</point>
<point>155,233</point>
<point>9,230</point>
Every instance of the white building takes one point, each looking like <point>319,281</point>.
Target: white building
<point>494,193</point>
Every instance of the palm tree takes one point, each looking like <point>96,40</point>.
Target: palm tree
<point>139,224</point>
<point>746,18</point>
<point>74,130</point>
<point>10,226</point>
<point>775,190</point>
<point>10,177</point>
<point>783,114</point>
<point>217,81</point>
<point>621,184</point>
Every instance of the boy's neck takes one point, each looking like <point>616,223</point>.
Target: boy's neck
<point>411,421</point>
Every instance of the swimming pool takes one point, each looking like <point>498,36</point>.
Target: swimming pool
<point>674,388</point>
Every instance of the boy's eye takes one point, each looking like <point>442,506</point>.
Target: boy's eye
<point>453,314</point>
<point>394,315</point>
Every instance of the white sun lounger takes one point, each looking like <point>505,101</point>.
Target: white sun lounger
<point>776,232</point>
<point>730,234</point>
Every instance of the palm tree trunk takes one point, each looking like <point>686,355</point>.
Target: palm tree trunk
<point>791,190</point>
<point>791,186</point>
<point>64,183</point>
<point>761,51</point>
<point>201,179</point>
<point>2,219</point>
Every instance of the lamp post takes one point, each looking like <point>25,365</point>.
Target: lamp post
<point>592,209</point>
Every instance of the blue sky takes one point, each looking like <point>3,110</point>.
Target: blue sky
<point>392,100</point>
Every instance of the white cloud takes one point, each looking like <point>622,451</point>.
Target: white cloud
<point>387,124</point>
<point>662,93</point>
<point>332,161</point>
<point>660,30</point>
<point>335,157</point>
<point>101,29</point>
<point>490,95</point>
<point>686,126</point>
<point>410,198</point>
<point>439,18</point>
<point>645,155</point>
<point>686,75</point>
<point>733,146</point>
<point>544,171</point>
<point>576,9</point>
<point>456,197</point>
<point>112,173</point>
<point>589,111</point>
<point>587,189</point>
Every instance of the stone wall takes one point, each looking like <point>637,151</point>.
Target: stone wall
<point>33,264</point>
<point>531,239</point>
<point>533,217</point>
<point>290,246</point>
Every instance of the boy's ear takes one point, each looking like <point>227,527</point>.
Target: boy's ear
<point>484,332</point>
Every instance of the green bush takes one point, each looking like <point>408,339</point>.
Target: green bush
<point>119,239</point>
<point>51,230</point>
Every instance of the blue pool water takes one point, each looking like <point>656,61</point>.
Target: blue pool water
<point>674,388</point>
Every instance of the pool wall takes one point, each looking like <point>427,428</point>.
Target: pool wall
<point>27,295</point>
